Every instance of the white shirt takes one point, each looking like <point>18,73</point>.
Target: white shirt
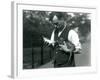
<point>52,35</point>
<point>74,38</point>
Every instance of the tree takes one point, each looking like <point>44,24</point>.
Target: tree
<point>39,23</point>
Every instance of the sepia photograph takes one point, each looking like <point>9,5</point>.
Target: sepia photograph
<point>53,39</point>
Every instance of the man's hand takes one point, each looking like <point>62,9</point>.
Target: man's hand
<point>78,51</point>
<point>64,47</point>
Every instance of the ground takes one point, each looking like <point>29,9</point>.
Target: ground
<point>29,62</point>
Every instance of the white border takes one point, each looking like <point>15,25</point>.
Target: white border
<point>17,52</point>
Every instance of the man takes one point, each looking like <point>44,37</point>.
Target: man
<point>64,43</point>
<point>64,56</point>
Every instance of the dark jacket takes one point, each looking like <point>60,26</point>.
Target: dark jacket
<point>62,58</point>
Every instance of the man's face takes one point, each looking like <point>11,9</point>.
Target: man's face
<point>59,26</point>
<point>56,25</point>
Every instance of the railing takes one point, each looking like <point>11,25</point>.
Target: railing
<point>44,54</point>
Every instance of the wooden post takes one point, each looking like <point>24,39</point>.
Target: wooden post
<point>32,57</point>
<point>50,53</point>
<point>32,53</point>
<point>41,52</point>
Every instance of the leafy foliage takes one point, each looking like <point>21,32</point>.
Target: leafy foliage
<point>39,23</point>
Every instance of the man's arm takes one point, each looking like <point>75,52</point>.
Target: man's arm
<point>74,38</point>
